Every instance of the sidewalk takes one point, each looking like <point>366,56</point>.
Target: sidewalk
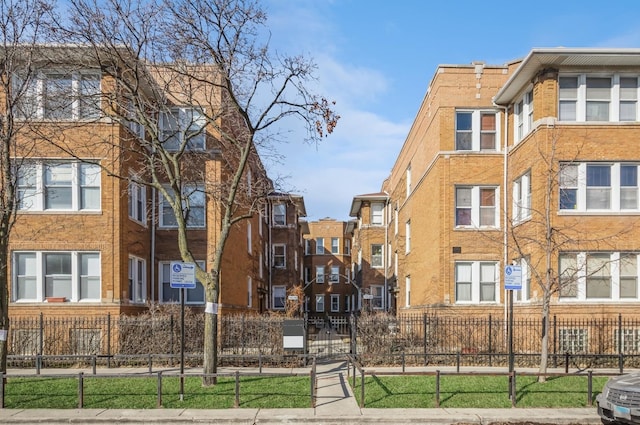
<point>335,405</point>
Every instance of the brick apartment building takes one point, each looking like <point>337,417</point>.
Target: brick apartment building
<point>497,158</point>
<point>330,289</point>
<point>89,239</point>
<point>369,235</point>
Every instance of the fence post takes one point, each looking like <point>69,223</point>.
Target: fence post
<point>424,336</point>
<point>458,355</point>
<point>237,401</point>
<point>590,389</point>
<point>109,339</point>
<point>159,396</point>
<point>620,355</point>
<point>403,361</point>
<point>40,343</point>
<point>313,383</point>
<point>38,363</point>
<point>437,388</point>
<point>566,362</point>
<point>80,390</point>
<point>93,364</point>
<point>555,341</point>
<point>490,337</point>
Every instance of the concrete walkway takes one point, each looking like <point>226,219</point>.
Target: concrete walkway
<point>335,404</point>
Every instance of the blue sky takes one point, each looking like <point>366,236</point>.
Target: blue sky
<point>376,58</point>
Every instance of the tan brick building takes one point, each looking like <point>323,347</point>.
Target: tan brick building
<point>90,239</point>
<point>369,245</point>
<point>330,288</point>
<point>500,156</point>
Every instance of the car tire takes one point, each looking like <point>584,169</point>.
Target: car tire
<point>609,422</point>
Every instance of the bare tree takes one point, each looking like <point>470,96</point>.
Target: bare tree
<point>210,55</point>
<point>23,23</point>
<point>538,234</point>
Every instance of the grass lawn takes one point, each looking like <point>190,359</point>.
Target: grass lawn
<point>140,393</point>
<point>475,391</point>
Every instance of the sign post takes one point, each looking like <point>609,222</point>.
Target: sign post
<point>183,276</point>
<point>512,282</point>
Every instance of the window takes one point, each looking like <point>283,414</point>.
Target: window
<point>307,274</point>
<point>347,247</point>
<point>629,276</point>
<point>477,205</point>
<point>603,98</point>
<point>249,292</point>
<point>193,208</point>
<point>335,303</point>
<point>307,247</point>
<point>334,277</point>
<point>59,186</point>
<point>630,340</point>
<point>476,282</point>
<point>249,238</point>
<point>182,126</point>
<point>335,245</point>
<point>376,256</point>
<point>72,275</point>
<point>279,297</point>
<point>524,294</point>
<point>407,237</point>
<point>279,255</point>
<point>408,180</point>
<point>377,302</point>
<point>319,274</point>
<point>522,198</point>
<point>628,98</point>
<point>524,116</point>
<point>173,295</point>
<point>476,131</point>
<point>347,303</point>
<point>279,214</point>
<point>138,280</point>
<point>319,303</point>
<point>597,276</point>
<point>377,210</point>
<point>599,187</point>
<point>137,202</point>
<point>572,340</point>
<point>319,246</point>
<point>407,291</point>
<point>60,95</point>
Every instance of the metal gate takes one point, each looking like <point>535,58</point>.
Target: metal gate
<point>330,336</point>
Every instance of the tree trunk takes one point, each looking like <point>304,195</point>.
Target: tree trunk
<point>210,361</point>
<point>544,350</point>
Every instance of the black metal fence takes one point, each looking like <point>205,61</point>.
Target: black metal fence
<point>379,338</point>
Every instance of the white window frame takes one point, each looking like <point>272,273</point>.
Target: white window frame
<point>573,340</point>
<point>191,193</point>
<point>407,236</point>
<point>279,215</point>
<point>138,203</point>
<point>335,303</point>
<point>377,213</point>
<point>320,246</point>
<point>33,104</point>
<point>249,292</point>
<point>334,276</point>
<point>37,278</point>
<point>190,123</point>
<point>522,198</point>
<point>320,274</point>
<point>33,189</point>
<point>137,280</point>
<point>407,291</point>
<point>377,292</point>
<point>524,295</point>
<point>335,245</point>
<point>475,207</point>
<point>475,284</point>
<point>249,238</point>
<point>618,96</point>
<point>279,255</point>
<point>279,292</point>
<point>579,186</point>
<point>319,303</point>
<point>377,260</point>
<point>476,130</point>
<point>523,116</point>
<point>577,279</point>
